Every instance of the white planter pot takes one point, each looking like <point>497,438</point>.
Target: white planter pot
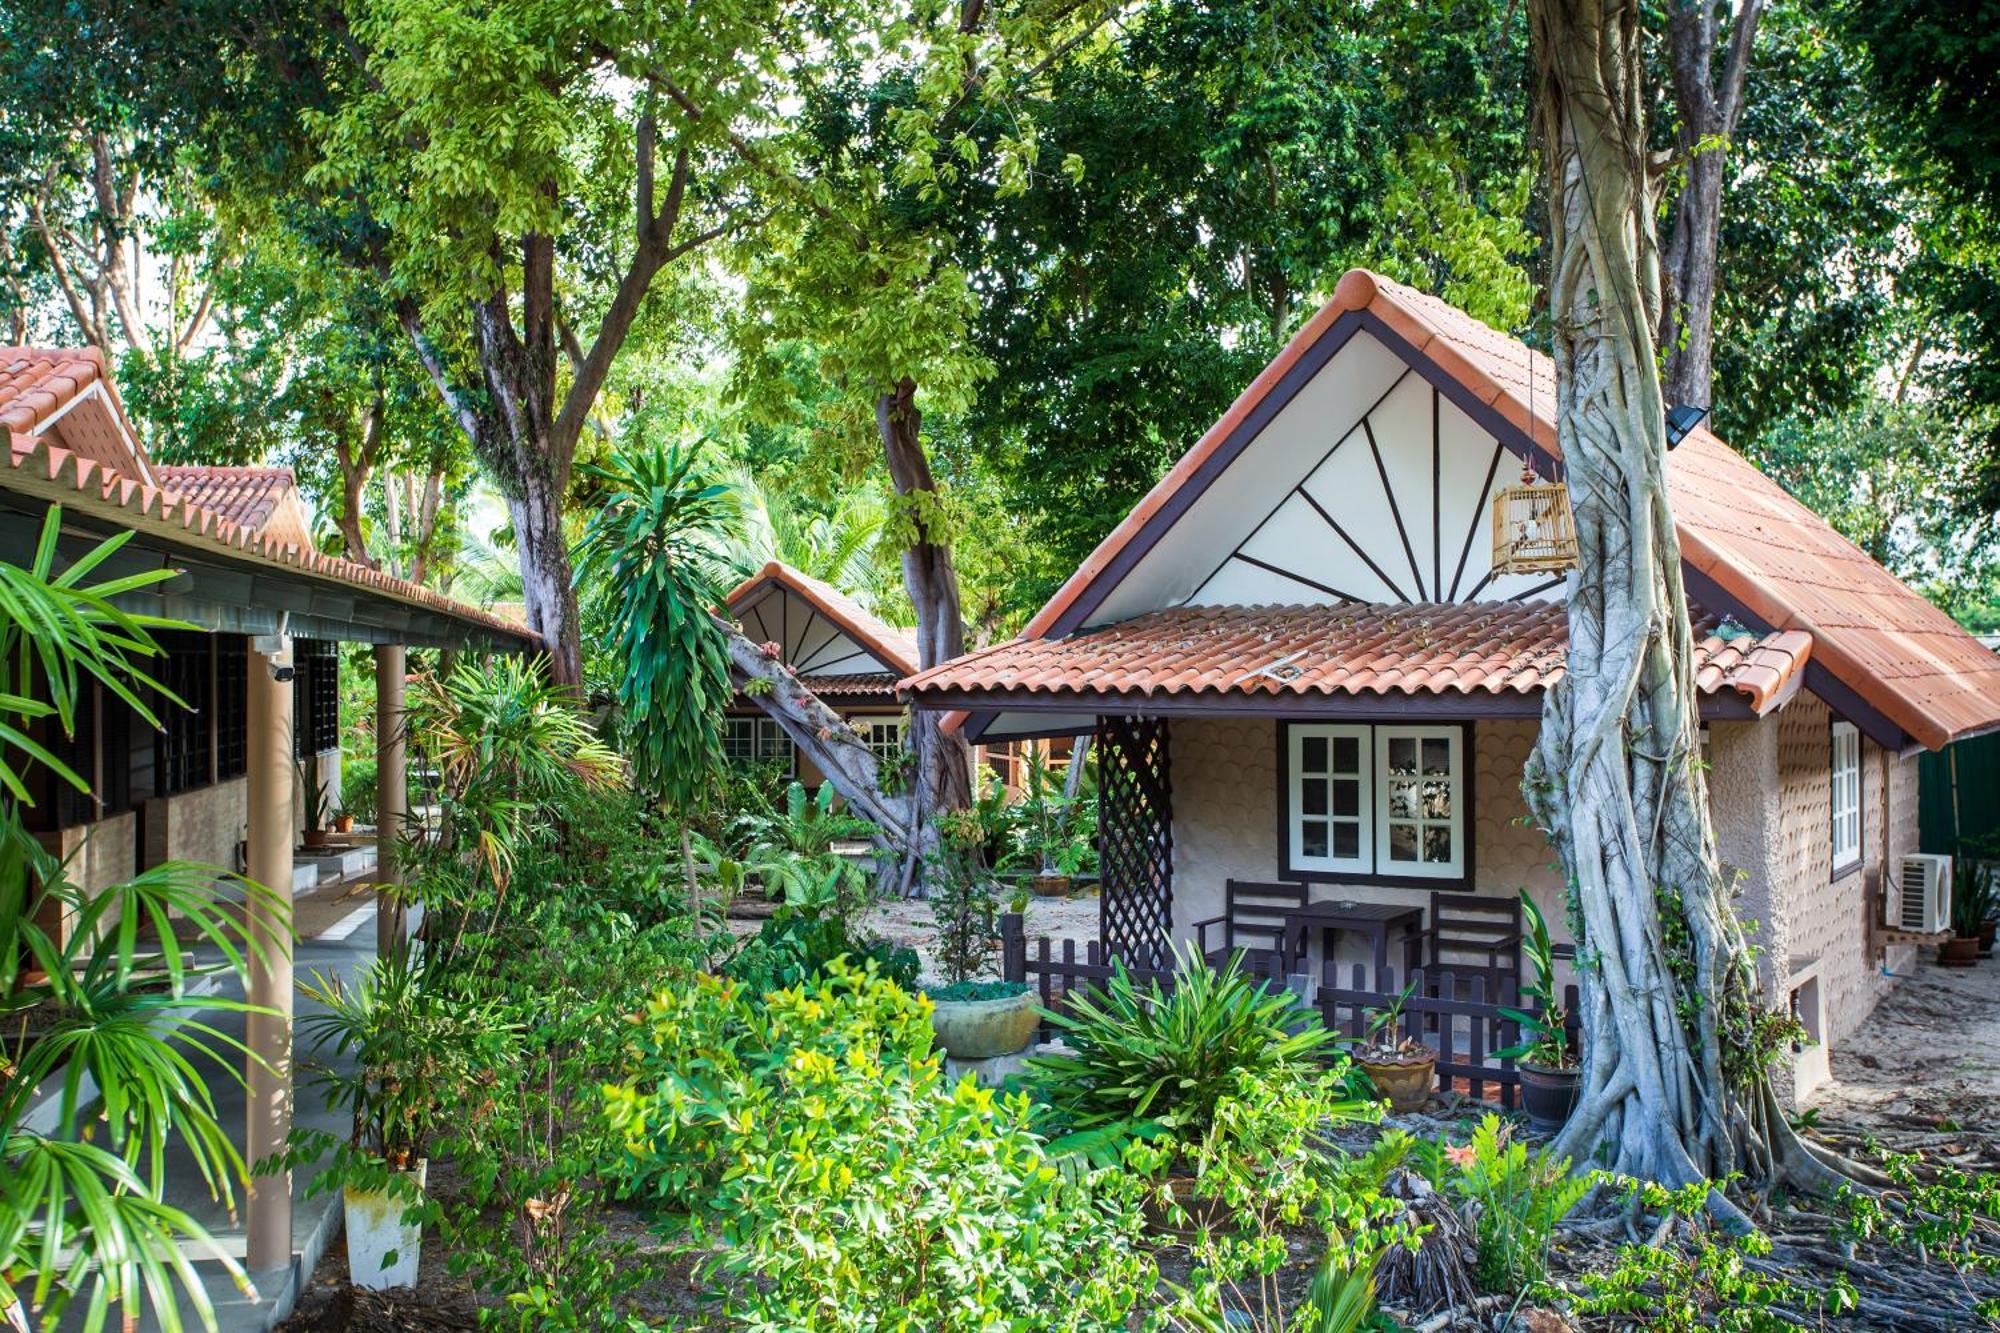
<point>381,1250</point>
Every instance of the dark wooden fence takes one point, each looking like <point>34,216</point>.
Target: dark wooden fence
<point>1454,1015</point>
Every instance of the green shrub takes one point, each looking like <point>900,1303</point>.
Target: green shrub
<point>1141,1053</point>
<point>705,1053</point>
<point>796,945</point>
<point>962,906</point>
<point>864,1190</point>
<point>1708,1283</point>
<point>1520,1197</point>
<point>357,789</point>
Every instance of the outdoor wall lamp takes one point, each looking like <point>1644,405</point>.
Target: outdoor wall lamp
<point>1681,420</point>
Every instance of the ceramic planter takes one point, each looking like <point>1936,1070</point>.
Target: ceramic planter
<point>1406,1080</point>
<point>1050,886</point>
<point>1959,951</point>
<point>1549,1095</point>
<point>344,824</point>
<point>376,1232</point>
<point>982,1029</point>
<point>313,837</point>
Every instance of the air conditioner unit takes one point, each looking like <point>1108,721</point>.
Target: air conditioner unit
<point>1920,899</point>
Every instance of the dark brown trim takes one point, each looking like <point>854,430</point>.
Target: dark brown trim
<point>1851,706</point>
<point>1483,414</point>
<point>1395,510</point>
<point>1437,503</point>
<point>1297,578</point>
<point>1352,545</point>
<point>1480,511</point>
<point>1467,779</point>
<point>984,705</point>
<point>1300,489</point>
<point>812,616</point>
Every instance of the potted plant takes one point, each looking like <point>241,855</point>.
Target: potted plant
<point>974,1019</point>
<point>1058,845</point>
<point>1972,901</point>
<point>1403,1069</point>
<point>376,1048</point>
<point>313,797</point>
<point>1548,1065</point>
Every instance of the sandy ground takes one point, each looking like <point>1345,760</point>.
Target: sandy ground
<point>908,921</point>
<point>1930,1051</point>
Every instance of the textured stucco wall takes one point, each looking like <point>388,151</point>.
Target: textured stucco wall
<point>1225,783</point>
<point>1769,790</point>
<point>206,825</point>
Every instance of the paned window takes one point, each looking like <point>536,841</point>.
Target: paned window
<point>1375,801</point>
<point>1846,795</point>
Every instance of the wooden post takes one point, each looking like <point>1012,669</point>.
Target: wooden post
<point>1013,947</point>
<point>392,788</point>
<point>268,1220</point>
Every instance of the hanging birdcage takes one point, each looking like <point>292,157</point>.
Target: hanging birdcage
<point>1533,529</point>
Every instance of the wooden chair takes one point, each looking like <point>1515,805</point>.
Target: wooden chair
<point>1253,924</point>
<point>1471,935</point>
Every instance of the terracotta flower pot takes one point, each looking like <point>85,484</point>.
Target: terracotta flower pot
<point>1050,886</point>
<point>313,837</point>
<point>344,824</point>
<point>1548,1096</point>
<point>1986,934</point>
<point>1960,951</point>
<point>982,1029</point>
<point>1405,1080</point>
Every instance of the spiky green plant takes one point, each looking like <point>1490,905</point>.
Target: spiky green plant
<point>81,1209</point>
<point>646,558</point>
<point>1146,1052</point>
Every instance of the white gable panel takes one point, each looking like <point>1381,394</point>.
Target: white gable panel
<point>807,641</point>
<point>1291,445</point>
<point>1472,465</point>
<point>1401,429</point>
<point>1397,507</point>
<point>1339,571</point>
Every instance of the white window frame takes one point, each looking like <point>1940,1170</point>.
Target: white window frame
<point>1454,737</point>
<point>768,742</point>
<point>1844,789</point>
<point>885,748</point>
<point>1363,862</point>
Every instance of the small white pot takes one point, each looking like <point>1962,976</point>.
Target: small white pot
<point>381,1250</point>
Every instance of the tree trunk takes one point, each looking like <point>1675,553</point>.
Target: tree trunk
<point>1708,112</point>
<point>1616,781</point>
<point>944,761</point>
<point>834,747</point>
<point>536,506</point>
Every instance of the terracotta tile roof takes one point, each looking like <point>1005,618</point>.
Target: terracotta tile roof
<point>37,382</point>
<point>894,646</point>
<point>868,682</point>
<point>1775,558</point>
<point>58,476</point>
<point>1351,648</point>
<point>39,386</point>
<point>262,499</point>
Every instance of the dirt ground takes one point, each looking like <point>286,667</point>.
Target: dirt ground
<point>908,921</point>
<point>1929,1052</point>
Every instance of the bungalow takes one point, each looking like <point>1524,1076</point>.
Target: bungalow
<point>841,652</point>
<point>1310,682</point>
<point>217,782</point>
<point>847,656</point>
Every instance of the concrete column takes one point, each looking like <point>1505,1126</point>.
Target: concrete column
<point>269,1036</point>
<point>392,787</point>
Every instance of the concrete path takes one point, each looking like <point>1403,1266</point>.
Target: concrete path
<point>344,946</point>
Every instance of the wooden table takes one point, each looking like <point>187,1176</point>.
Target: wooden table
<point>1374,920</point>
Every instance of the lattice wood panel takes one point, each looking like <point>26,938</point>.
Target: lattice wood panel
<point>1135,840</point>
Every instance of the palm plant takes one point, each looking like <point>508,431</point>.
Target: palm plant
<point>646,556</point>
<point>81,1205</point>
<point>509,747</point>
